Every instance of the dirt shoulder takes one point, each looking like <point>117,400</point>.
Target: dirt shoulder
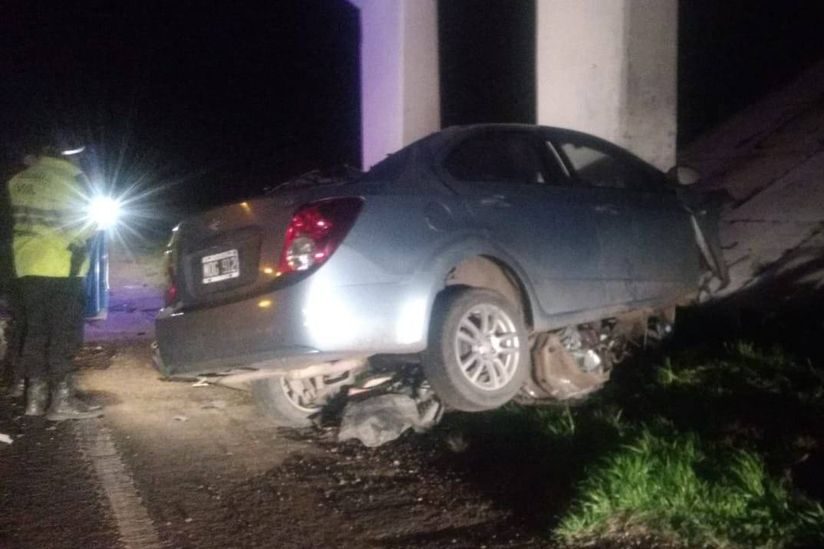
<point>213,473</point>
<point>49,495</point>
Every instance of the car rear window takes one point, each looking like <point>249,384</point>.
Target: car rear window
<point>388,169</point>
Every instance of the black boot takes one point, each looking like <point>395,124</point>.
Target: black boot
<point>37,397</point>
<point>78,396</point>
<point>65,405</point>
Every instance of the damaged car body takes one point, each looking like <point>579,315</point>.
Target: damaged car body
<point>501,261</point>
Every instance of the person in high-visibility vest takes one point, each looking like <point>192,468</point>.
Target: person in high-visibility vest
<point>48,199</point>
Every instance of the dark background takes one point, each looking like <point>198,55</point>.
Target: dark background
<point>212,101</point>
<point>731,52</point>
<point>487,61</point>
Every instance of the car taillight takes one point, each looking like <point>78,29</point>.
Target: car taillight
<point>170,296</point>
<point>315,231</point>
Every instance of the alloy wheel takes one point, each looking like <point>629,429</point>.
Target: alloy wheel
<point>487,347</point>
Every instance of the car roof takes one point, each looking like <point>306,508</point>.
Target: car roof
<point>447,136</point>
<point>454,131</point>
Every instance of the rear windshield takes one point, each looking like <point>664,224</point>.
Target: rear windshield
<point>329,176</point>
<point>390,168</point>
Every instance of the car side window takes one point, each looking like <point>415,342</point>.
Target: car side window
<point>505,156</point>
<point>602,168</point>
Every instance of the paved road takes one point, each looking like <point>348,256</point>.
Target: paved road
<point>49,496</point>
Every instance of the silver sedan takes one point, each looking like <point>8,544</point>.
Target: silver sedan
<point>455,253</point>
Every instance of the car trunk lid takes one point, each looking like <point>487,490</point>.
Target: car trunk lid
<point>230,252</point>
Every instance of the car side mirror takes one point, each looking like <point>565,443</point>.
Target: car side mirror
<point>683,175</point>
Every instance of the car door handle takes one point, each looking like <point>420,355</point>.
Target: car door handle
<point>606,209</point>
<point>496,201</point>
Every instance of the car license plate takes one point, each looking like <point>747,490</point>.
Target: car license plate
<point>222,266</point>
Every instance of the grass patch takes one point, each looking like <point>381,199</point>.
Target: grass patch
<point>670,488</point>
<point>705,450</point>
<point>695,449</point>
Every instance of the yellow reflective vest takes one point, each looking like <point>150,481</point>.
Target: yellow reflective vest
<point>48,201</point>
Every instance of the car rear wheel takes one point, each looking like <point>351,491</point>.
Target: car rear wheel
<point>478,355</point>
<point>287,402</point>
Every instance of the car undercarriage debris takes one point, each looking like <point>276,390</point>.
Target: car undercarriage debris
<point>382,418</point>
<point>576,361</point>
<point>559,375</point>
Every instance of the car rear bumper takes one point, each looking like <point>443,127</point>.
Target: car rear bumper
<point>309,322</point>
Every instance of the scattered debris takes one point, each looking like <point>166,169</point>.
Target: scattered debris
<point>96,357</point>
<point>5,438</point>
<point>215,405</point>
<point>456,442</point>
<point>181,418</point>
<point>201,382</point>
<point>369,384</point>
<point>383,418</point>
<point>376,381</point>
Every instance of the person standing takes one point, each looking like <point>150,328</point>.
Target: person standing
<point>49,237</point>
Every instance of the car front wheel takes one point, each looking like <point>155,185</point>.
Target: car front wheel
<point>478,354</point>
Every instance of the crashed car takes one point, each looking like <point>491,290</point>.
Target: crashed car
<point>501,261</point>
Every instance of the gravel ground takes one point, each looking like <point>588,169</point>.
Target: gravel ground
<point>49,495</point>
<point>208,471</point>
<point>394,496</point>
<point>226,477</point>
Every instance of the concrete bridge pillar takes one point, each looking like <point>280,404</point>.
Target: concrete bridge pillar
<point>609,67</point>
<point>400,84</point>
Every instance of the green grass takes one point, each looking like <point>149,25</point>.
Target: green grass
<point>695,449</point>
<point>668,487</point>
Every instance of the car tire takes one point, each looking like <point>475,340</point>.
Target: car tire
<point>478,354</point>
<point>273,397</point>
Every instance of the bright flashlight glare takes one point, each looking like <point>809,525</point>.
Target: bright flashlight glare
<point>103,211</point>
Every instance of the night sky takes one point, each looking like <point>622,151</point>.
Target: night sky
<point>216,100</point>
<point>222,101</point>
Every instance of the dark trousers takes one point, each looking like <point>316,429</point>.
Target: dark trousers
<point>53,312</point>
